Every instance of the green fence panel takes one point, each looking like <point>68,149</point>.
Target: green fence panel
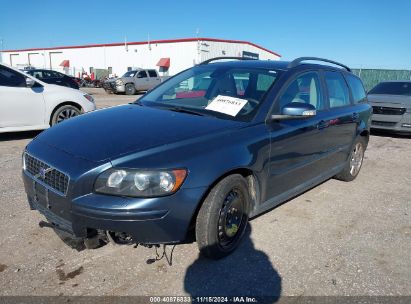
<point>371,77</point>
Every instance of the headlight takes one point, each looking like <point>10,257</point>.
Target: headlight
<point>139,183</point>
<point>119,82</point>
<point>89,97</point>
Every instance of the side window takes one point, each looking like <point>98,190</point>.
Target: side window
<point>10,78</point>
<point>47,74</point>
<point>306,89</point>
<point>337,89</point>
<point>38,74</point>
<point>152,73</point>
<point>357,89</point>
<point>57,74</point>
<point>142,74</point>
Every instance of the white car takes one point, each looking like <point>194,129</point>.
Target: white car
<point>27,103</point>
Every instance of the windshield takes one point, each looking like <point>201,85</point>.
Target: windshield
<point>219,91</point>
<point>129,74</point>
<point>392,88</point>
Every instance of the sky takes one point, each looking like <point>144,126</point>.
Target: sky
<point>361,34</point>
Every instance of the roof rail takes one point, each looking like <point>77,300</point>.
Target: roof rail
<point>297,61</point>
<point>219,58</point>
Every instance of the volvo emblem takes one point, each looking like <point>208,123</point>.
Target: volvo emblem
<point>42,172</point>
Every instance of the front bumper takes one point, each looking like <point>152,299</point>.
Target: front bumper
<point>393,123</point>
<point>113,87</point>
<point>148,220</point>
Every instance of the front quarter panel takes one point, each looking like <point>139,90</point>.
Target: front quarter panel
<point>56,95</point>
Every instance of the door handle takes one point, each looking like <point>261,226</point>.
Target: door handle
<point>323,124</point>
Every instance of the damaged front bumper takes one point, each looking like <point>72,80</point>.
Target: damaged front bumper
<point>163,220</point>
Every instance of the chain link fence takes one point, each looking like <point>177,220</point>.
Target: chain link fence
<point>371,77</point>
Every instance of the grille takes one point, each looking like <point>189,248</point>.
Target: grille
<point>46,174</point>
<point>388,111</point>
<point>383,123</point>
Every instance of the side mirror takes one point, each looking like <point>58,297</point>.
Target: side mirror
<point>139,76</point>
<point>296,110</point>
<point>30,82</point>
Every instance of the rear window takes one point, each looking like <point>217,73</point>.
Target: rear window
<point>357,89</point>
<point>392,88</point>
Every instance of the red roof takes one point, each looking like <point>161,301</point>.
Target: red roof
<point>146,42</point>
<point>164,63</point>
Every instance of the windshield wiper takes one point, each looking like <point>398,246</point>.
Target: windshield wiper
<point>137,102</point>
<point>185,110</point>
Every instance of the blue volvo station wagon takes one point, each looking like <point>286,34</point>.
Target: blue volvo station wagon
<point>198,156</point>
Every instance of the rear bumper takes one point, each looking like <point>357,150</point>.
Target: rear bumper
<point>393,123</point>
<point>162,220</point>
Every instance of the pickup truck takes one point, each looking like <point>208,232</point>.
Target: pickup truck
<point>133,81</point>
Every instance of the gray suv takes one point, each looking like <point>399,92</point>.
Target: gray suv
<point>391,104</point>
<point>133,81</point>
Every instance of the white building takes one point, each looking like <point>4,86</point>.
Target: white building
<point>168,56</point>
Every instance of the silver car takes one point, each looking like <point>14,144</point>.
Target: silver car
<point>391,104</point>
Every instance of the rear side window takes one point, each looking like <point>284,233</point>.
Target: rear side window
<point>51,74</point>
<point>152,73</point>
<point>357,89</point>
<point>10,78</point>
<point>305,89</point>
<point>392,88</point>
<point>337,90</point>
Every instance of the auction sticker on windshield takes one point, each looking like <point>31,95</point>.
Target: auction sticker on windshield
<point>227,105</point>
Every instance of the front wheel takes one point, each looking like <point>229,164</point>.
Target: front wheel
<point>63,113</point>
<point>223,217</point>
<point>354,164</point>
<point>130,89</point>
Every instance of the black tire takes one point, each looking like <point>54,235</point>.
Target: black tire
<point>130,89</point>
<point>353,166</point>
<point>63,113</point>
<point>216,234</point>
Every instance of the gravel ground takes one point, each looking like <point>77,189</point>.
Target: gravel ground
<point>336,239</point>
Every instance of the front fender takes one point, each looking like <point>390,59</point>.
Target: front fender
<point>209,157</point>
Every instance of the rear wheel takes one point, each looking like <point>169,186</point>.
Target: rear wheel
<point>223,217</point>
<point>130,89</point>
<point>63,113</point>
<point>353,167</point>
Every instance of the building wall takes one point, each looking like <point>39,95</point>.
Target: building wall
<point>182,54</point>
<point>211,49</point>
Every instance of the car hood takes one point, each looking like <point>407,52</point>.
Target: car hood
<point>390,100</point>
<point>107,134</point>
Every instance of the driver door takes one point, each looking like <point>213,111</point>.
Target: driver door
<point>297,146</point>
<point>20,105</point>
<point>142,81</point>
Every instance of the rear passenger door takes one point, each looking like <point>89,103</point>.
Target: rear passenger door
<point>342,117</point>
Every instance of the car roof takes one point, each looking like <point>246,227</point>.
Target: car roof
<point>272,64</point>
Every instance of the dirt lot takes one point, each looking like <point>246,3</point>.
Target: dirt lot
<point>337,239</point>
